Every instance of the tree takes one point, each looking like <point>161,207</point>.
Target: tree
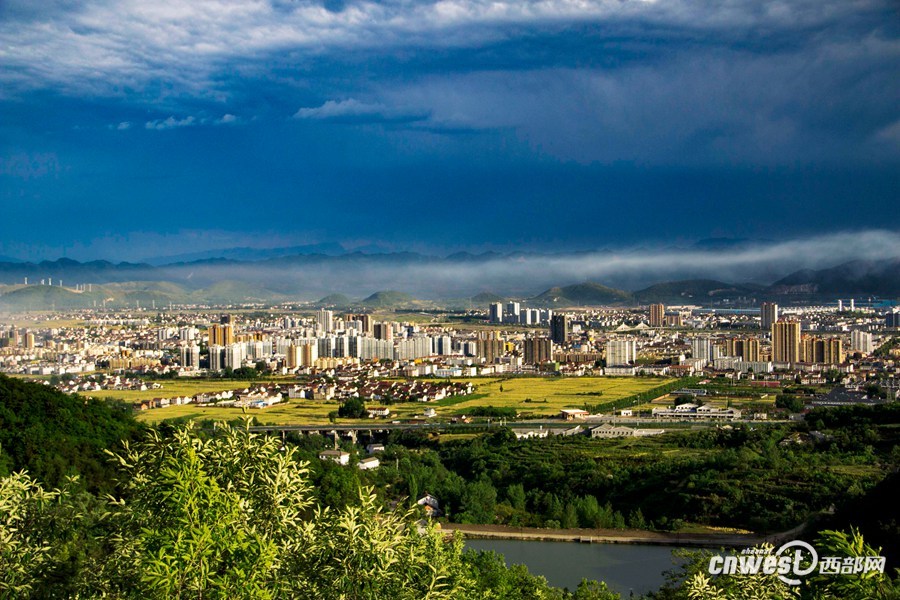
<point>223,515</point>
<point>352,408</point>
<point>515,494</point>
<point>478,501</point>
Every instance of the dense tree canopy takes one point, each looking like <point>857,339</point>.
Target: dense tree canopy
<point>53,435</point>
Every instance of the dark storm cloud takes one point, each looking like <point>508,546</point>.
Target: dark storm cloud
<point>342,113</point>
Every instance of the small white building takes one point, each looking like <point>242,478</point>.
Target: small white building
<point>338,456</point>
<point>368,463</point>
<point>570,414</point>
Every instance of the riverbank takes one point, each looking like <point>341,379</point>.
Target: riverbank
<point>611,536</point>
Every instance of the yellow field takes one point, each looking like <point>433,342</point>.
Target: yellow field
<point>292,412</point>
<point>183,387</point>
<point>39,323</point>
<point>558,392</point>
<point>547,395</point>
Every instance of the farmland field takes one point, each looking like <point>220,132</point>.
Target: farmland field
<point>529,395</point>
<point>544,396</point>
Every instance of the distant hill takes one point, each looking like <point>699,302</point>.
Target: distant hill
<point>879,278</point>
<point>249,254</point>
<point>486,298</point>
<point>387,299</point>
<point>334,301</point>
<point>45,297</point>
<point>235,291</point>
<point>694,290</point>
<point>581,294</point>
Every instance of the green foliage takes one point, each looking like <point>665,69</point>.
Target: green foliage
<point>207,515</point>
<point>789,402</point>
<point>497,412</point>
<point>352,408</point>
<point>698,585</point>
<point>645,396</point>
<point>24,549</point>
<point>54,435</point>
<point>225,515</point>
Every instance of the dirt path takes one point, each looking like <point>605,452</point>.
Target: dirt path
<point>615,536</point>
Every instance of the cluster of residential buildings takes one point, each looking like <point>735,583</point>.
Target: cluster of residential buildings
<point>768,343</point>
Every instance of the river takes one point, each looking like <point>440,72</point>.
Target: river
<point>625,568</point>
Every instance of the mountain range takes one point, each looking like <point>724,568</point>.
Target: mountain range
<point>460,280</point>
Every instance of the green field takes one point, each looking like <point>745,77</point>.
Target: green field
<point>558,392</point>
<point>547,396</point>
<point>184,387</point>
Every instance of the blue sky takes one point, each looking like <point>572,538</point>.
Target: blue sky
<point>131,129</point>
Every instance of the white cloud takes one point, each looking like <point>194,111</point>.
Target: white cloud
<point>105,46</point>
<point>171,123</point>
<point>354,110</point>
<point>123,126</point>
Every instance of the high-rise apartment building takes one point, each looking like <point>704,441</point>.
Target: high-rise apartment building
<point>538,351</point>
<point>657,315</point>
<point>768,313</point>
<point>512,312</point>
<point>325,320</point>
<point>620,353</point>
<point>747,349</point>
<point>190,356</point>
<point>701,348</point>
<point>786,341</point>
<point>559,329</point>
<point>496,312</point>
<point>827,351</point>
<point>861,341</point>
<point>892,319</point>
<point>221,335</point>
<point>383,331</point>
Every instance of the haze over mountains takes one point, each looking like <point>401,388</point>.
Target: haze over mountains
<point>703,273</point>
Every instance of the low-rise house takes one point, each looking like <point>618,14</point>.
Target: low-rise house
<point>368,463</point>
<point>570,414</point>
<point>431,505</point>
<point>608,430</point>
<point>338,456</point>
<point>692,411</point>
<point>527,434</point>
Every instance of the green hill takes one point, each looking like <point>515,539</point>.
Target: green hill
<point>46,297</point>
<point>51,434</point>
<point>486,298</point>
<point>581,294</point>
<point>693,290</point>
<point>235,291</point>
<point>387,299</point>
<point>335,300</point>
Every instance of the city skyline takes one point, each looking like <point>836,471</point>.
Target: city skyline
<point>132,131</point>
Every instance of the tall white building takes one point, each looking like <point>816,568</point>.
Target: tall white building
<point>496,311</point>
<point>861,341</point>
<point>325,320</point>
<point>768,312</point>
<point>512,312</point>
<point>700,348</point>
<point>234,356</point>
<point>216,358</point>
<point>620,353</point>
<point>190,356</point>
